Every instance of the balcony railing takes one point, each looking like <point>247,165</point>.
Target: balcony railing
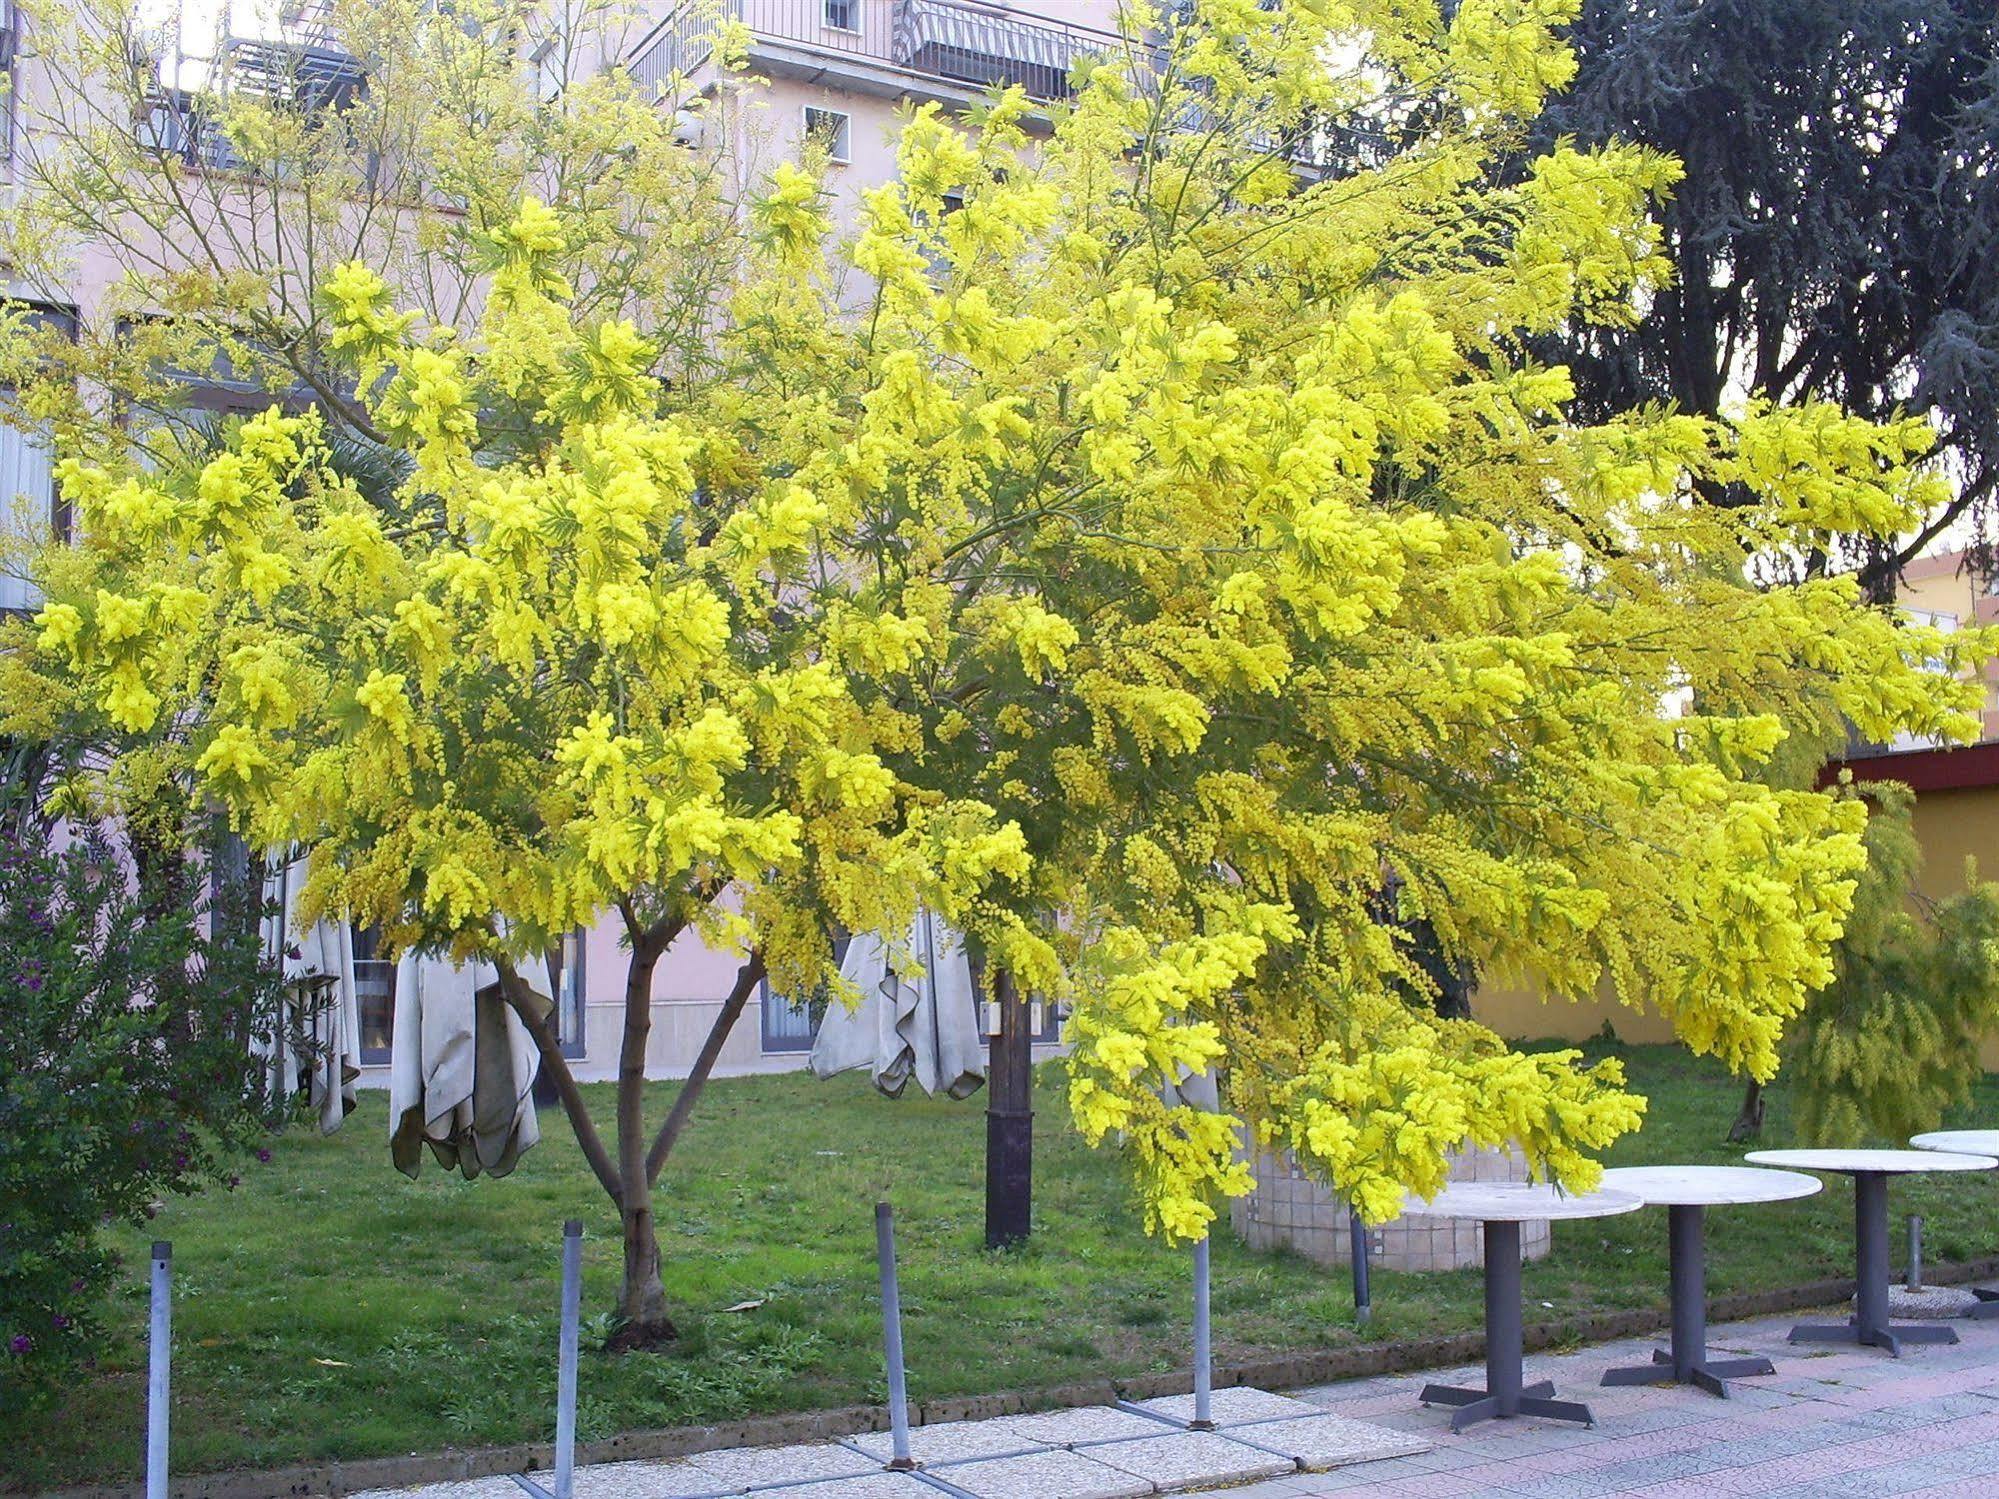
<point>316,80</point>
<point>957,41</point>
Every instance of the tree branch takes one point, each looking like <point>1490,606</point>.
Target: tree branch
<point>539,1022</point>
<point>747,978</point>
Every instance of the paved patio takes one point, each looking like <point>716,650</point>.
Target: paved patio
<point>1830,1422</point>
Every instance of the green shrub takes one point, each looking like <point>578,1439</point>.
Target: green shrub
<point>125,1071</point>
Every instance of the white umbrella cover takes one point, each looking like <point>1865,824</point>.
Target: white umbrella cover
<point>461,1067</point>
<point>318,966</point>
<point>925,1027</point>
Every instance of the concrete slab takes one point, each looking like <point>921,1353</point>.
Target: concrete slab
<point>639,1480</point>
<point>1086,1423</point>
<point>469,1488</point>
<point>950,1441</point>
<point>871,1486</point>
<point>1233,1406</point>
<point>1190,1460</point>
<point>1319,1442</point>
<point>1041,1475</point>
<point>743,1467</point>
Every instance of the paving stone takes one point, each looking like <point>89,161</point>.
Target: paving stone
<point>744,1466</point>
<point>470,1488</point>
<point>1191,1459</point>
<point>1232,1407</point>
<point>1317,1442</point>
<point>871,1486</point>
<point>1084,1423</point>
<point>641,1480</point>
<point>1041,1475</point>
<point>950,1441</point>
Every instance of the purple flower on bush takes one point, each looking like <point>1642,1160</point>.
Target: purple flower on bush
<point>263,1155</point>
<point>20,1343</point>
<point>60,1321</point>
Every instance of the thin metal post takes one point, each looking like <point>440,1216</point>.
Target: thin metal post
<point>565,1379</point>
<point>1204,1360</point>
<point>1915,1251</point>
<point>1687,1272</point>
<point>898,1388</point>
<point>159,1361</point>
<point>1363,1298</point>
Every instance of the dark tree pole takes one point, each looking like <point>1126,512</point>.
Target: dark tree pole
<point>1009,1119</point>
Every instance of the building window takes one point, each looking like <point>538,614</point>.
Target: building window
<point>569,992</point>
<point>30,509</point>
<point>843,15</point>
<point>10,52</point>
<point>787,1024</point>
<point>374,996</point>
<point>834,129</point>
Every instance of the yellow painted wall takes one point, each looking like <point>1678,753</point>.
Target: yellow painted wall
<point>1949,824</point>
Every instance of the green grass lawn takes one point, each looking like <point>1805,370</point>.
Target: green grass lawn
<point>330,1308</point>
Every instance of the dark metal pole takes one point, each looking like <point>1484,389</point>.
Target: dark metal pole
<point>898,1388</point>
<point>1915,1251</point>
<point>1870,1239</point>
<point>1503,1336</point>
<point>1688,1277</point>
<point>1363,1299</point>
<point>1009,1120</point>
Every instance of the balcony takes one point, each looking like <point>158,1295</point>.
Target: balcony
<point>889,47</point>
<point>315,79</point>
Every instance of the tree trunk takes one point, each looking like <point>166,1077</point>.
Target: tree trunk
<point>1010,1120</point>
<point>643,1322</point>
<point>1749,1122</point>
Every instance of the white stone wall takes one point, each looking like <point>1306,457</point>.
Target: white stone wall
<point>1288,1210</point>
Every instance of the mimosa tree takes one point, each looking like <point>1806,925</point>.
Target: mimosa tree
<point>1136,544</point>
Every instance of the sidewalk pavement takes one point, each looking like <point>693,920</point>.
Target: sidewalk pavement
<point>1831,1422</point>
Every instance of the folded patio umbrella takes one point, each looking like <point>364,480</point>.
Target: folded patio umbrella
<point>461,1067</point>
<point>924,1026</point>
<point>321,1009</point>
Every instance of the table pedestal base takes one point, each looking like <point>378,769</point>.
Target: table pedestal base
<point>1687,1361</point>
<point>1888,1335</point>
<point>1703,1373</point>
<point>1504,1394</point>
<point>1869,1325</point>
<point>1478,1405</point>
<point>1988,1304</point>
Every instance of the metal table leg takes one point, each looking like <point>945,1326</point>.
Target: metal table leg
<point>1870,1324</point>
<point>1687,1361</point>
<point>1505,1393</point>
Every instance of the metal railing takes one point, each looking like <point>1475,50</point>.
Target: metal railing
<point>958,40</point>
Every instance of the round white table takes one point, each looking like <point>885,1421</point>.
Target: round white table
<point>1969,1142</point>
<point>1686,1193</point>
<point>1870,1170</point>
<point>1500,1208</point>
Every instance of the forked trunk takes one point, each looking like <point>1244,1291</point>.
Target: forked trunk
<point>1749,1122</point>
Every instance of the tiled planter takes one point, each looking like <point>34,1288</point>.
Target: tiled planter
<point>1289,1211</point>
